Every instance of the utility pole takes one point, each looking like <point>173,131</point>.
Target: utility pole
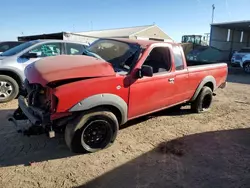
<point>213,7</point>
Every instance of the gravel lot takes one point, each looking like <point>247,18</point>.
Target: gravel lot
<point>166,149</point>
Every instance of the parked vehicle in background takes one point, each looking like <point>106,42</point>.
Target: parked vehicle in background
<point>14,61</point>
<point>92,96</point>
<point>238,55</point>
<point>6,45</point>
<point>245,63</point>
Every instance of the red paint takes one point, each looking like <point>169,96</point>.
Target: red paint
<point>60,115</point>
<point>65,67</point>
<point>143,96</point>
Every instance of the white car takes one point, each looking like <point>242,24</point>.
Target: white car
<point>238,55</point>
<point>14,61</point>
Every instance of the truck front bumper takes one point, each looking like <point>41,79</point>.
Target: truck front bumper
<point>36,116</point>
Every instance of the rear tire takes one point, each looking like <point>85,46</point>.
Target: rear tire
<point>92,131</point>
<point>9,88</point>
<point>204,100</point>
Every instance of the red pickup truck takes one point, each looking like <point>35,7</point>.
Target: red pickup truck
<point>114,81</point>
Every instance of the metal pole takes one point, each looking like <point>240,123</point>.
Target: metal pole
<point>213,13</point>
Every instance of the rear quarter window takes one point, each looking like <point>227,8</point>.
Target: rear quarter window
<point>178,60</point>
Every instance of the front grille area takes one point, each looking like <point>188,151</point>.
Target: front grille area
<point>37,96</point>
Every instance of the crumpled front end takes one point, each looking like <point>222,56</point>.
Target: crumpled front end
<point>36,104</point>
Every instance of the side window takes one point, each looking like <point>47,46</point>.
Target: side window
<point>45,50</point>
<point>178,61</point>
<point>159,59</point>
<point>74,49</point>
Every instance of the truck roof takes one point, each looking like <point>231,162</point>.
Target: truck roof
<point>143,43</point>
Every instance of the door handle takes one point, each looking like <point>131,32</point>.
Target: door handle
<point>171,80</point>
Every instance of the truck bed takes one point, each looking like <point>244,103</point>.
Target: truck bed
<point>196,63</point>
<point>199,71</point>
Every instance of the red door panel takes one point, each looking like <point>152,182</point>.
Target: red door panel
<point>150,94</point>
<point>182,88</point>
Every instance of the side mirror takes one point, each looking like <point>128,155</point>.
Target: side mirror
<point>29,55</point>
<point>145,71</point>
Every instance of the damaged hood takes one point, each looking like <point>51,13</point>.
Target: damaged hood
<point>65,67</point>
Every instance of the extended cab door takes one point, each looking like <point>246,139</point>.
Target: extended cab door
<point>181,81</point>
<point>148,94</point>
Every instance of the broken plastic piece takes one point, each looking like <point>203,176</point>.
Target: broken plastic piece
<point>52,134</point>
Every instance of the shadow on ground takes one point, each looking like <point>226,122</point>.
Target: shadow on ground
<point>210,159</point>
<point>237,75</point>
<point>17,149</point>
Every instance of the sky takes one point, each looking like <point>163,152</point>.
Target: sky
<point>175,17</point>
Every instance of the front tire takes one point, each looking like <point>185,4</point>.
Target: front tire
<point>246,67</point>
<point>204,100</point>
<point>92,131</point>
<point>9,88</point>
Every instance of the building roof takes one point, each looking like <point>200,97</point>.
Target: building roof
<point>243,25</point>
<point>118,32</point>
<point>126,32</point>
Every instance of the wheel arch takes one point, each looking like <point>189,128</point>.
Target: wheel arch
<point>245,62</point>
<point>112,102</point>
<point>208,81</point>
<point>13,75</point>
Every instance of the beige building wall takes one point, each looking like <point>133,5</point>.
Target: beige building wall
<point>152,32</point>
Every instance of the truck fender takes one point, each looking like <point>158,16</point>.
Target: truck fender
<point>103,99</point>
<point>207,79</point>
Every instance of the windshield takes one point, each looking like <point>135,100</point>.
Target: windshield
<point>19,48</point>
<point>119,54</point>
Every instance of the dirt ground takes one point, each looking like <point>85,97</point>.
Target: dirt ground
<point>166,149</point>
